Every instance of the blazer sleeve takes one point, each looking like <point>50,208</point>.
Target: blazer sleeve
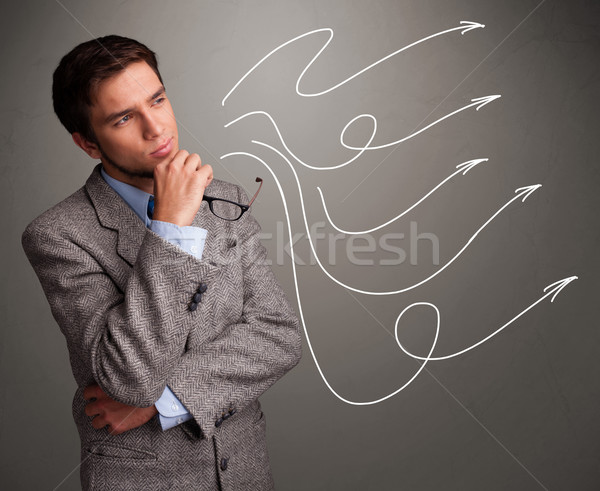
<point>128,341</point>
<point>219,377</point>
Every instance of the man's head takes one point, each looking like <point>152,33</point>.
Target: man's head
<point>108,93</point>
<point>80,72</point>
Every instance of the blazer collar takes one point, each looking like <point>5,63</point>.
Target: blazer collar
<point>114,213</point>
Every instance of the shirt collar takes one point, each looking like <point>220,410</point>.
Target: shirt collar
<point>134,197</point>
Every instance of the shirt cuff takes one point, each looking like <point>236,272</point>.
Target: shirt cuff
<point>168,423</point>
<point>171,410</point>
<point>190,239</point>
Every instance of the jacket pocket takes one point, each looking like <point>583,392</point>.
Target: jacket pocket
<point>108,466</point>
<point>113,451</point>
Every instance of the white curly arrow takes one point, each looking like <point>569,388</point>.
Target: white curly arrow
<point>462,168</point>
<point>555,289</point>
<point>477,103</point>
<point>468,26</point>
<point>523,193</point>
<point>552,290</point>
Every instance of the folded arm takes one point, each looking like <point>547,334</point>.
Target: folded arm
<point>132,340</point>
<point>128,341</point>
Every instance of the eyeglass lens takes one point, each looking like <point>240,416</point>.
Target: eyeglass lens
<point>225,210</point>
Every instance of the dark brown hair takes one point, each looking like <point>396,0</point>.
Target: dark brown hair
<point>81,71</point>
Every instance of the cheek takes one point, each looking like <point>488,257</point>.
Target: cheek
<point>124,143</point>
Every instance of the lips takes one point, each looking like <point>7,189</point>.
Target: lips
<point>164,149</point>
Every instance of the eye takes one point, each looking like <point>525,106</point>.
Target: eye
<point>123,120</point>
<point>160,100</point>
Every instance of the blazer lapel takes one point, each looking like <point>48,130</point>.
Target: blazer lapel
<point>205,219</point>
<point>115,214</point>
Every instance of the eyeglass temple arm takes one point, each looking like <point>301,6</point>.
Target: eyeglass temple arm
<point>258,179</point>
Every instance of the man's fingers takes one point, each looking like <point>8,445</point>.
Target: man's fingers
<point>91,392</point>
<point>176,161</point>
<point>207,171</point>
<point>178,188</point>
<point>91,409</point>
<point>99,422</point>
<point>193,162</point>
<point>180,158</point>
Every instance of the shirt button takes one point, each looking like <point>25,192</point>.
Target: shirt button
<point>179,420</point>
<point>194,249</point>
<point>174,406</point>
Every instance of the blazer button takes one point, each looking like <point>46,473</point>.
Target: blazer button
<point>202,287</point>
<point>219,422</point>
<point>197,297</point>
<point>193,306</point>
<point>224,462</point>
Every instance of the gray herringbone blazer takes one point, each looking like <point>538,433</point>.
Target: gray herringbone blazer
<point>121,296</point>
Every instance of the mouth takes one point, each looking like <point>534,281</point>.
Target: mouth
<point>164,149</point>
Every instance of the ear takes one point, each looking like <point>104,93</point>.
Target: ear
<point>87,146</point>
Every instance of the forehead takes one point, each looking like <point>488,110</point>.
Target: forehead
<point>128,88</point>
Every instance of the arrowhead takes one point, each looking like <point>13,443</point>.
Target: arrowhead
<point>527,190</point>
<point>485,100</point>
<point>557,286</point>
<point>467,166</point>
<point>471,25</point>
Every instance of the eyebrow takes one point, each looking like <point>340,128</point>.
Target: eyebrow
<point>118,115</point>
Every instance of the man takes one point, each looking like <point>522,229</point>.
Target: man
<point>174,323</point>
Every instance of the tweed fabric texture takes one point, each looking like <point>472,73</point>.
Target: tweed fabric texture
<point>121,296</point>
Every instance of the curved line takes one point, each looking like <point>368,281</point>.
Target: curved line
<point>471,25</point>
<point>479,102</point>
<point>558,286</point>
<point>343,164</point>
<point>554,291</point>
<point>343,399</point>
<point>528,191</point>
<point>316,94</point>
<point>461,168</point>
<point>275,50</point>
<point>474,102</point>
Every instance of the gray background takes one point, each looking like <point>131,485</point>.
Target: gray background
<point>520,411</point>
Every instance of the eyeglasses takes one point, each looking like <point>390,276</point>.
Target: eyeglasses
<point>230,210</point>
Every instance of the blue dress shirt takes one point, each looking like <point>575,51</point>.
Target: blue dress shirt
<point>171,410</point>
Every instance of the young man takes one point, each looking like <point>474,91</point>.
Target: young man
<point>174,323</point>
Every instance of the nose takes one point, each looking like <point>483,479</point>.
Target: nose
<point>153,126</point>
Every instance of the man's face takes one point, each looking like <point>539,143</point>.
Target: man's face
<point>134,125</point>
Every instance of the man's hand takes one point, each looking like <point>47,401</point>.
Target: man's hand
<point>179,187</point>
<point>119,417</point>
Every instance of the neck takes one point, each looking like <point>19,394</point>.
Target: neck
<point>144,183</point>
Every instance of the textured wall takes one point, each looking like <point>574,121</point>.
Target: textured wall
<point>518,411</point>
